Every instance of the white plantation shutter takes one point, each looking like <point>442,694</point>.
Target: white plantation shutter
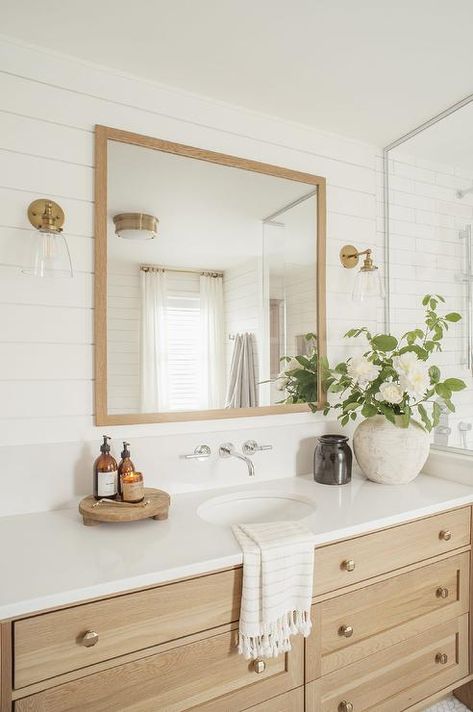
<point>189,334</point>
<point>184,351</point>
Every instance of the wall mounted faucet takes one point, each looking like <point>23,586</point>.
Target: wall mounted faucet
<point>228,450</point>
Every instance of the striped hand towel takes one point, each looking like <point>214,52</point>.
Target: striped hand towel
<point>278,569</point>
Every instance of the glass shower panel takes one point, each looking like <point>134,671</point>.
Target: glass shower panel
<point>290,298</point>
<point>429,218</point>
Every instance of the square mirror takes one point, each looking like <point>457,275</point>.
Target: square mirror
<point>210,283</point>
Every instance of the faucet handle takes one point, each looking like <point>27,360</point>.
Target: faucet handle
<point>251,446</point>
<point>226,449</point>
<point>201,452</point>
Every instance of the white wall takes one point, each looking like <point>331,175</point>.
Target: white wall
<point>50,105</point>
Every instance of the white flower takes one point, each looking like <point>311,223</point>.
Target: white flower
<point>390,392</point>
<point>413,374</point>
<point>416,381</point>
<point>281,382</point>
<point>405,362</point>
<point>362,371</point>
<point>292,365</point>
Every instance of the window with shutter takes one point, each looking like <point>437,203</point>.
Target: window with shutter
<point>183,316</point>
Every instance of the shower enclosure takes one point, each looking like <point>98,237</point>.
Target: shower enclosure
<point>428,199</point>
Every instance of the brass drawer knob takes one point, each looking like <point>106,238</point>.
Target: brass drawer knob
<point>89,639</point>
<point>442,592</point>
<point>259,666</point>
<point>441,658</point>
<point>348,565</point>
<point>345,706</point>
<point>346,631</point>
<point>445,535</point>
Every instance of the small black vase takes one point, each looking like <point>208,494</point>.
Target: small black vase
<point>332,460</point>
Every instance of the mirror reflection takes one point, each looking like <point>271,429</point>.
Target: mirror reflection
<point>211,295</point>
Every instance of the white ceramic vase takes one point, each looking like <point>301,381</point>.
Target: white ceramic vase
<point>388,454</point>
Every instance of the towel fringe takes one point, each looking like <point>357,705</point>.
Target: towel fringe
<point>275,638</point>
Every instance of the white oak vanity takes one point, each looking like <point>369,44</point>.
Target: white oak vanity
<point>391,632</point>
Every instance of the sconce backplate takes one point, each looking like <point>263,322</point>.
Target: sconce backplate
<point>37,208</point>
<point>349,256</point>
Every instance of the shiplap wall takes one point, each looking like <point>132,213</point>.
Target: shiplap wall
<point>299,289</point>
<point>243,308</point>
<point>50,105</point>
<point>123,334</point>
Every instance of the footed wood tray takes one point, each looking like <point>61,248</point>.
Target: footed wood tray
<point>154,506</point>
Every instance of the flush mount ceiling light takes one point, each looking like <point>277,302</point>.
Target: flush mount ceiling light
<point>368,283</point>
<point>135,226</point>
<point>49,252</point>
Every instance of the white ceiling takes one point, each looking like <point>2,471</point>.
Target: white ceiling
<point>370,69</point>
<point>210,216</point>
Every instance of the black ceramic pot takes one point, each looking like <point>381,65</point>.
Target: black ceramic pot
<point>332,460</point>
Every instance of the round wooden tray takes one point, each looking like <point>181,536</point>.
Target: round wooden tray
<point>154,506</point>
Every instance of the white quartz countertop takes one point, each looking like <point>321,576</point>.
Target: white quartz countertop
<point>50,559</point>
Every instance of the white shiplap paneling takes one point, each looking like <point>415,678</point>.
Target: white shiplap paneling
<point>50,106</point>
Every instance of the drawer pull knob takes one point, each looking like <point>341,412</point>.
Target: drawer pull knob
<point>346,631</point>
<point>348,565</point>
<point>442,592</point>
<point>345,706</point>
<point>259,666</point>
<point>445,535</point>
<point>89,639</point>
<point>441,658</point>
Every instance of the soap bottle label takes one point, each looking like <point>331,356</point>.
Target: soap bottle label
<point>107,484</point>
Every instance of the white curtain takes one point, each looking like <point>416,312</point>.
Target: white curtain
<point>154,390</point>
<point>213,341</point>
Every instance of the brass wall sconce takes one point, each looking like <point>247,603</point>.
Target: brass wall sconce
<point>49,253</point>
<point>135,226</point>
<point>368,283</point>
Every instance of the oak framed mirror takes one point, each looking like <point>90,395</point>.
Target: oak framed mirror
<point>209,283</point>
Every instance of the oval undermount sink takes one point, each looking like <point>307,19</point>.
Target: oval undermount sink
<point>255,507</point>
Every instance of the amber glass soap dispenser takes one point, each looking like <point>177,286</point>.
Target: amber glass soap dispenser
<point>125,467</point>
<point>105,473</point>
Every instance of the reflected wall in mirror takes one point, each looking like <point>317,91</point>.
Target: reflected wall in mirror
<point>222,313</point>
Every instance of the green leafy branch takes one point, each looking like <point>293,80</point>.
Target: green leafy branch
<point>362,397</point>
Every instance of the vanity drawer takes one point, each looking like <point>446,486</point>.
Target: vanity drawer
<point>364,557</point>
<point>355,625</point>
<point>194,676</point>
<point>290,702</point>
<point>396,678</point>
<point>51,644</point>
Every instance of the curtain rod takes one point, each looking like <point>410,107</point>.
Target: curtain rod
<point>158,268</point>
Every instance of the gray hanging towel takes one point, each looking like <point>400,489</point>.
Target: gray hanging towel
<point>242,391</point>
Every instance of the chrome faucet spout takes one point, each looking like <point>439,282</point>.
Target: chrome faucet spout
<point>228,450</point>
<point>249,463</point>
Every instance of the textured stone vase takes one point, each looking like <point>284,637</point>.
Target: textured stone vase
<point>388,454</point>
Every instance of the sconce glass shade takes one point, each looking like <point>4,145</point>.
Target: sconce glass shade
<point>49,255</point>
<point>368,285</point>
